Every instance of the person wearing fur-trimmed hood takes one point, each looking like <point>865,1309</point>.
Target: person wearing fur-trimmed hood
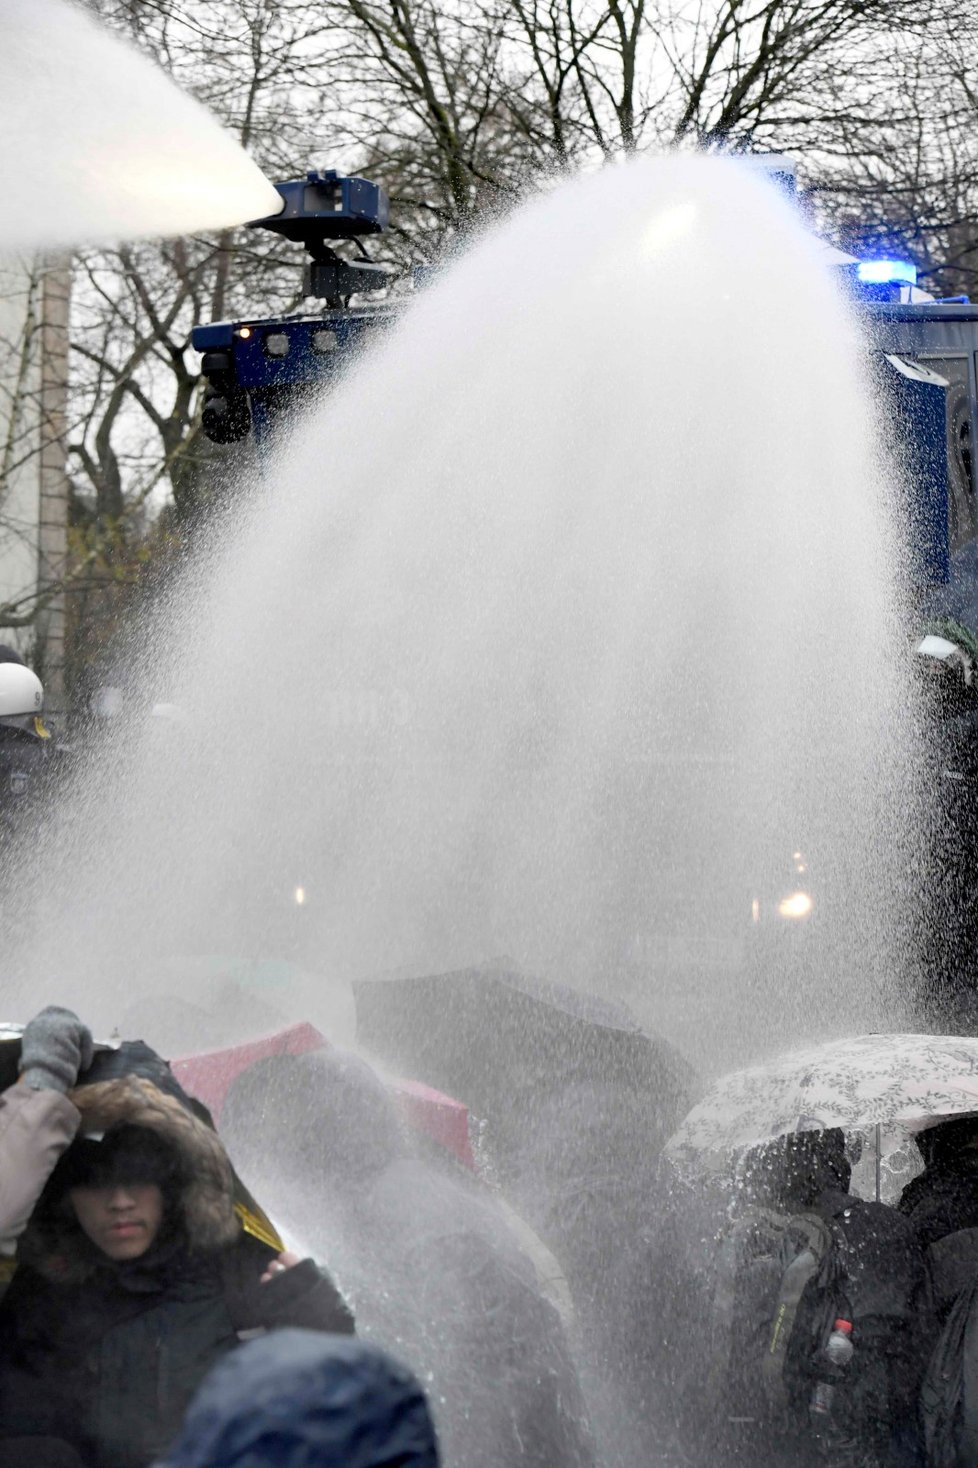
<point>134,1278</point>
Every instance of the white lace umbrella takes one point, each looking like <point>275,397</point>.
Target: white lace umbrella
<point>868,1081</point>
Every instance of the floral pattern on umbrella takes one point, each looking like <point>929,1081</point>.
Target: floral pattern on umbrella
<point>862,1082</point>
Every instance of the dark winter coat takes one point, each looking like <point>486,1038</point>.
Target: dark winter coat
<point>295,1400</point>
<point>27,766</point>
<point>107,1355</point>
<point>941,1205</point>
<point>718,1273</point>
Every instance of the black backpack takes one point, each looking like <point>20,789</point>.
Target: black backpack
<point>782,1281</point>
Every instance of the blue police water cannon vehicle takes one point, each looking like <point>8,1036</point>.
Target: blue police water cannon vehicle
<point>926,354</point>
<point>256,370</point>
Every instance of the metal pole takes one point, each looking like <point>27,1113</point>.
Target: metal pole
<point>53,509</point>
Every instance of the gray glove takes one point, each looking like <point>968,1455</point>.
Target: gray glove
<point>55,1046</point>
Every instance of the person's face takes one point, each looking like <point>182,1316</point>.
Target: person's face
<point>122,1220</point>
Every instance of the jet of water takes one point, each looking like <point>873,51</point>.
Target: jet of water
<point>548,635</point>
<point>98,143</point>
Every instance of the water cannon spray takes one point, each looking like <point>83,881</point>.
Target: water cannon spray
<point>925,353</point>
<point>258,369</point>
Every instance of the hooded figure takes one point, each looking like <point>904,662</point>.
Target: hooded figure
<point>297,1400</point>
<point>881,1276</point>
<point>431,1263</point>
<point>134,1277</point>
<point>941,1205</point>
<point>943,1198</point>
<point>806,1170</point>
<point>725,1281</point>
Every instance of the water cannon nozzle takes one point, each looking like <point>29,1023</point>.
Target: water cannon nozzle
<point>325,205</point>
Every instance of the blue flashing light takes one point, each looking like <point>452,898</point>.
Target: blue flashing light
<point>887,272</point>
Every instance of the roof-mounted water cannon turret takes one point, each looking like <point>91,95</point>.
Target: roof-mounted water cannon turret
<point>255,369</point>
<point>325,206</point>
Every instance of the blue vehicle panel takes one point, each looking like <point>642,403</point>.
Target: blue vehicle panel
<point>935,423</point>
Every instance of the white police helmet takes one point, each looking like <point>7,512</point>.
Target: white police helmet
<point>21,691</point>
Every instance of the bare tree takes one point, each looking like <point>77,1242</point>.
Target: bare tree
<point>904,176</point>
<point>460,109</point>
<point>135,375</point>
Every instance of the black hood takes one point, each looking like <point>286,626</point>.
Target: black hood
<point>794,1172</point>
<point>938,1144</point>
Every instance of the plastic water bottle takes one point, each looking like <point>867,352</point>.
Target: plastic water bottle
<point>838,1353</point>
<point>833,1437</point>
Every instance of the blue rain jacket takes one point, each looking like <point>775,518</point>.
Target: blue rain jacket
<point>299,1399</point>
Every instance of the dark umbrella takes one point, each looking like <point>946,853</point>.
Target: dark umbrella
<point>503,1043</point>
<point>577,1100</point>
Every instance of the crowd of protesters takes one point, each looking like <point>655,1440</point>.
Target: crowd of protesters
<point>133,1284</point>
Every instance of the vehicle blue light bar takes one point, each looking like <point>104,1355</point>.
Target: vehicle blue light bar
<point>887,272</point>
